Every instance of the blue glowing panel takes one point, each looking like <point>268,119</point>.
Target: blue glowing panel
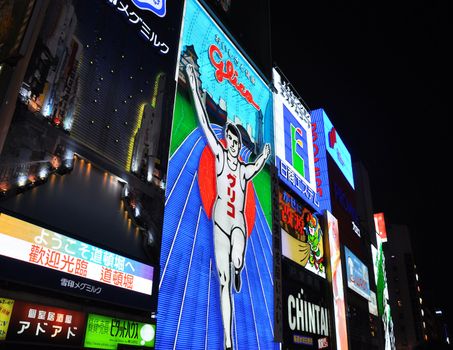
<point>217,87</point>
<point>235,86</point>
<point>293,142</point>
<point>357,274</point>
<point>338,150</point>
<point>189,307</point>
<point>320,160</point>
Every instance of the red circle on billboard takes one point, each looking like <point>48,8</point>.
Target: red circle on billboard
<point>208,190</point>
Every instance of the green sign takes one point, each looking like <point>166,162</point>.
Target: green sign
<point>107,332</point>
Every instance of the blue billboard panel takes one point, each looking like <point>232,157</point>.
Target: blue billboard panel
<point>320,160</point>
<point>293,142</point>
<point>357,274</point>
<point>216,281</point>
<point>338,150</point>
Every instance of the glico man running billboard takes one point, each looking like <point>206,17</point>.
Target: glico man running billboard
<point>216,287</point>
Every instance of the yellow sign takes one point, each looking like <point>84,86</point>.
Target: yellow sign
<point>6,308</point>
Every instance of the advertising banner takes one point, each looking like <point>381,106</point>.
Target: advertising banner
<point>6,308</point>
<point>46,324</point>
<point>320,160</point>
<point>69,257</point>
<point>372,304</point>
<point>382,294</point>
<point>337,283</point>
<point>216,288</point>
<point>357,274</point>
<point>306,318</point>
<point>302,236</point>
<point>293,142</point>
<point>84,138</point>
<point>103,332</point>
<point>379,224</point>
<point>337,149</point>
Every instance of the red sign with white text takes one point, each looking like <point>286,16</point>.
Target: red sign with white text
<point>379,223</point>
<point>46,324</point>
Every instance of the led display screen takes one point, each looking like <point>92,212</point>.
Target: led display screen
<point>77,267</point>
<point>379,224</point>
<point>6,308</point>
<point>46,324</point>
<point>357,274</point>
<point>382,294</point>
<point>372,304</point>
<point>336,148</point>
<point>302,237</point>
<point>337,282</point>
<point>85,136</point>
<point>320,160</point>
<point>103,332</point>
<point>293,142</point>
<point>306,317</point>
<point>216,287</point>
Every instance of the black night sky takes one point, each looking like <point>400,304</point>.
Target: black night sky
<point>379,69</point>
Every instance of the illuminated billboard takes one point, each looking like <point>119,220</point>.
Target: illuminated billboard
<point>6,308</point>
<point>293,141</point>
<point>343,201</point>
<point>216,287</point>
<point>379,224</point>
<point>335,146</point>
<point>357,274</point>
<point>69,258</point>
<point>46,324</point>
<point>372,304</point>
<point>337,282</point>
<point>103,332</point>
<point>382,294</point>
<point>320,160</point>
<point>305,317</point>
<point>86,133</point>
<point>302,237</point>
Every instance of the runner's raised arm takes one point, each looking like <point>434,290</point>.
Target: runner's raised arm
<point>201,113</point>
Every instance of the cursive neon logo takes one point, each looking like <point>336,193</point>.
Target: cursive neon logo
<point>225,70</point>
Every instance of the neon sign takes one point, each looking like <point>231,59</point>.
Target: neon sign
<point>46,324</point>
<point>6,307</point>
<point>302,237</point>
<point>357,274</point>
<point>156,6</point>
<point>226,70</point>
<point>135,19</point>
<point>337,149</point>
<point>35,245</point>
<point>337,282</point>
<point>107,332</point>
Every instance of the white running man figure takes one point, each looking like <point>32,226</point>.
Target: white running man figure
<point>228,212</point>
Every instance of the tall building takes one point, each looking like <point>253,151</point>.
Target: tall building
<point>404,289</point>
<point>81,84</point>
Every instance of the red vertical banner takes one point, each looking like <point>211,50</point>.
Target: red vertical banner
<point>379,223</point>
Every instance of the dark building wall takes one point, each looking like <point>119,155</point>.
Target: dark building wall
<point>404,294</point>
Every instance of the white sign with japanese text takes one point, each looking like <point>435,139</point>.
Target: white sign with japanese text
<point>33,244</point>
